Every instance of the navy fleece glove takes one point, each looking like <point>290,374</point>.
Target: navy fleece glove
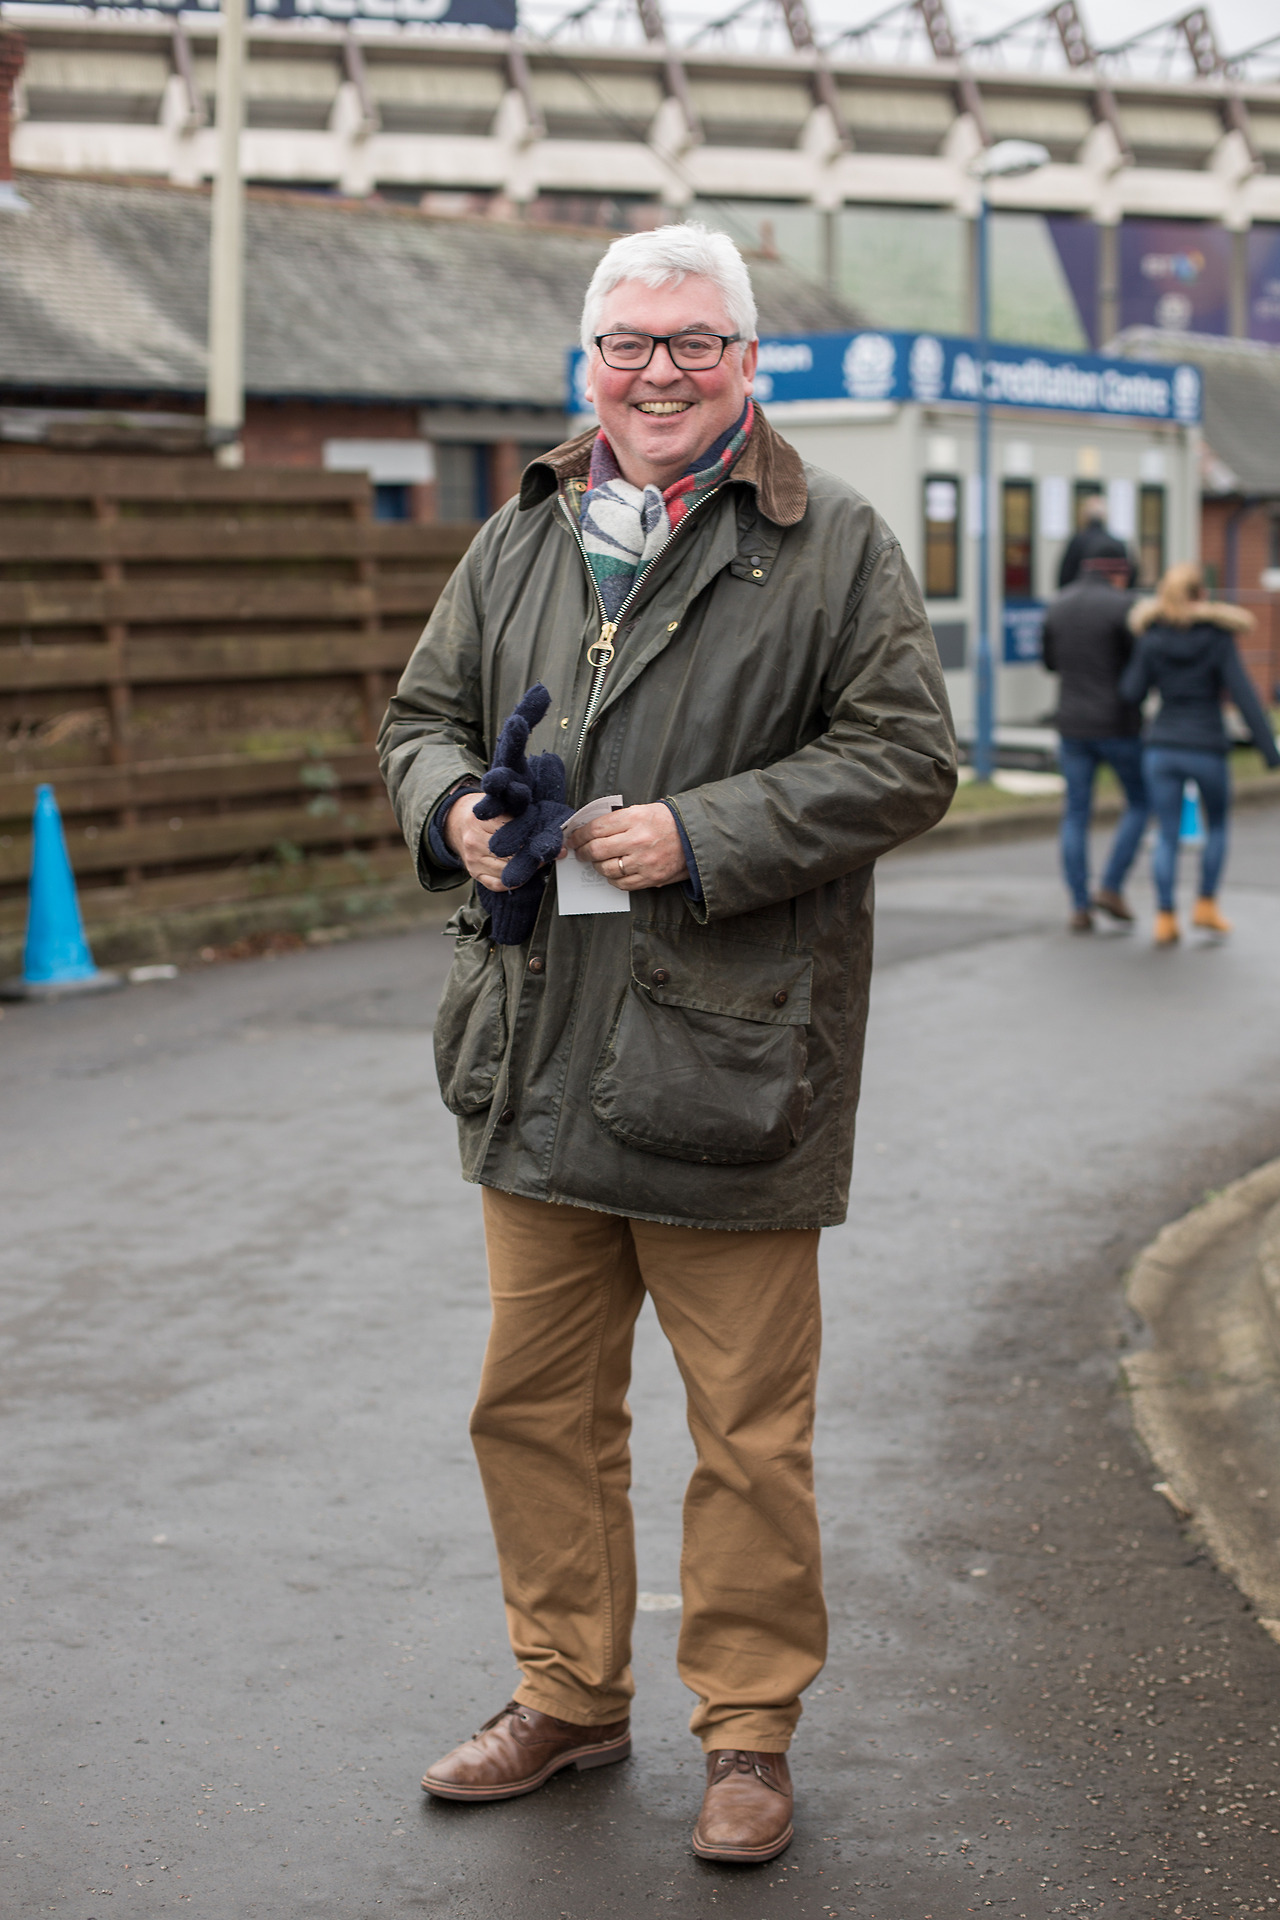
<point>531,791</point>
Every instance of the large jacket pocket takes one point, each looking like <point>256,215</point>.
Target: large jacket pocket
<point>706,1056</point>
<point>471,1022</point>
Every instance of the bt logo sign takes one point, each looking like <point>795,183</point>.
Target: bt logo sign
<point>1186,267</point>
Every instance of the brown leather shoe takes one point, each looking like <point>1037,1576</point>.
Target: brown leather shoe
<point>1114,905</point>
<point>520,1748</point>
<point>746,1809</point>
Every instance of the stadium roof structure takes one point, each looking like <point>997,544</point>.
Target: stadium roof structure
<point>766,100</point>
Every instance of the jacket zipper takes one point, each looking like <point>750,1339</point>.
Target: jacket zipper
<point>600,652</point>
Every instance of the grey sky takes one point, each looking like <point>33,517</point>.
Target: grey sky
<point>1240,23</point>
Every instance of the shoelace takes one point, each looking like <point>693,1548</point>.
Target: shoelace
<point>740,1760</point>
<point>512,1706</point>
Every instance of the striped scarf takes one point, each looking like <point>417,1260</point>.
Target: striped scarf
<point>625,528</point>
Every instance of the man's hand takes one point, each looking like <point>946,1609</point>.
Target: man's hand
<point>634,848</point>
<point>468,838</point>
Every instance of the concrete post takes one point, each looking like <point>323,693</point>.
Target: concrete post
<point>972,244</point>
<point>224,409</point>
<point>830,219</point>
<point>1108,284</point>
<point>12,60</point>
<point>1188,540</point>
<point>1238,289</point>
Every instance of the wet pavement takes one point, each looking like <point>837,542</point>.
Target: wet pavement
<point>245,1573</point>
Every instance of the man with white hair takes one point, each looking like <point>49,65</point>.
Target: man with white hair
<point>660,1099</point>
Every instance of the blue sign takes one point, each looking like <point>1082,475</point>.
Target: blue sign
<point>1023,627</point>
<point>931,367</point>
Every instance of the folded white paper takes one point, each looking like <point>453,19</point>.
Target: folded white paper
<point>580,887</point>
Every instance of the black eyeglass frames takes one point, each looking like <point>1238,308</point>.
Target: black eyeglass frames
<point>692,351</point>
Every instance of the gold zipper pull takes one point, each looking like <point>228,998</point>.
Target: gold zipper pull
<point>601,652</point>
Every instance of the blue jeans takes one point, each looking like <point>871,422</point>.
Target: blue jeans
<point>1167,770</point>
<point>1080,760</point>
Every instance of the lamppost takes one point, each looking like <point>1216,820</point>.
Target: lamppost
<point>1004,158</point>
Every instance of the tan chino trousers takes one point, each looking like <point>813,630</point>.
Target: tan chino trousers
<point>551,1430</point>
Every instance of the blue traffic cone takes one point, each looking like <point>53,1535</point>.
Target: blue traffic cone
<point>57,959</point>
<point>1191,826</point>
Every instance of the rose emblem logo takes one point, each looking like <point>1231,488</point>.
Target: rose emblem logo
<point>924,367</point>
<point>1186,393</point>
<point>869,362</point>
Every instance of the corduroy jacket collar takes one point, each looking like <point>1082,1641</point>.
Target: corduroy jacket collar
<point>768,463</point>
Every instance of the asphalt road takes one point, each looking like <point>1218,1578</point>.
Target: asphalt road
<point>245,1572</point>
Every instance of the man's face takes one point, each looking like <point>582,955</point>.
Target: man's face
<point>660,419</point>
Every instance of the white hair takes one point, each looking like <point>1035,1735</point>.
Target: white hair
<point>665,257</point>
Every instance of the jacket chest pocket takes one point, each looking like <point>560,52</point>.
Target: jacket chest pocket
<point>470,1037</point>
<point>706,1057</point>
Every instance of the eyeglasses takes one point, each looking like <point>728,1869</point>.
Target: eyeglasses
<point>693,352</point>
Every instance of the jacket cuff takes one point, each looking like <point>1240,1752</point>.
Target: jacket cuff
<point>692,888</point>
<point>435,874</point>
<point>438,847</point>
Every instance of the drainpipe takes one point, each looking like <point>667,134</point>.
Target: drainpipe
<point>1231,545</point>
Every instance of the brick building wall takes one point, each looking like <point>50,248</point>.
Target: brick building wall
<point>292,433</point>
<point>1241,544</point>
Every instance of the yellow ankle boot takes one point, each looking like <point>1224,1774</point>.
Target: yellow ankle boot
<point>1206,915</point>
<point>1167,934</point>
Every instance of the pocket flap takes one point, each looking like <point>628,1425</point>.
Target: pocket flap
<point>468,920</point>
<point>712,974</point>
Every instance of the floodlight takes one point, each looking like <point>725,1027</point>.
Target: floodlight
<point>1011,156</point>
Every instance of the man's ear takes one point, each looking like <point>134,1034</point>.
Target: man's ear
<point>750,356</point>
<point>588,385</point>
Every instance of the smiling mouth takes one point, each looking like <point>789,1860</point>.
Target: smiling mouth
<point>661,407</point>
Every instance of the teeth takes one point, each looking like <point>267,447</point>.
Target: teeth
<point>665,406</point>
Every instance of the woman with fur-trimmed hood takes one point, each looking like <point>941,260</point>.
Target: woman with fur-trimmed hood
<point>1186,649</point>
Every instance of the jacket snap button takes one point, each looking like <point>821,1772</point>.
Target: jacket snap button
<point>780,998</point>
<point>536,964</point>
<point>507,1115</point>
<point>660,976</point>
<point>757,573</point>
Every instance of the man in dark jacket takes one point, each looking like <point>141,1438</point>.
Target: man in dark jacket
<point>1087,643</point>
<point>1094,541</point>
<point>660,1099</point>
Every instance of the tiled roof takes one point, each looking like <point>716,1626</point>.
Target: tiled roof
<point>1241,405</point>
<point>1242,420</point>
<point>104,285</point>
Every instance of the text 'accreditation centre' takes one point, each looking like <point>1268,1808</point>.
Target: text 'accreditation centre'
<point>896,414</point>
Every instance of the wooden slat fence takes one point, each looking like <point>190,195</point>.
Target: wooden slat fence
<point>198,660</point>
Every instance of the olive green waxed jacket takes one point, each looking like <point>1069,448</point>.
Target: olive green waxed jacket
<point>775,678</point>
